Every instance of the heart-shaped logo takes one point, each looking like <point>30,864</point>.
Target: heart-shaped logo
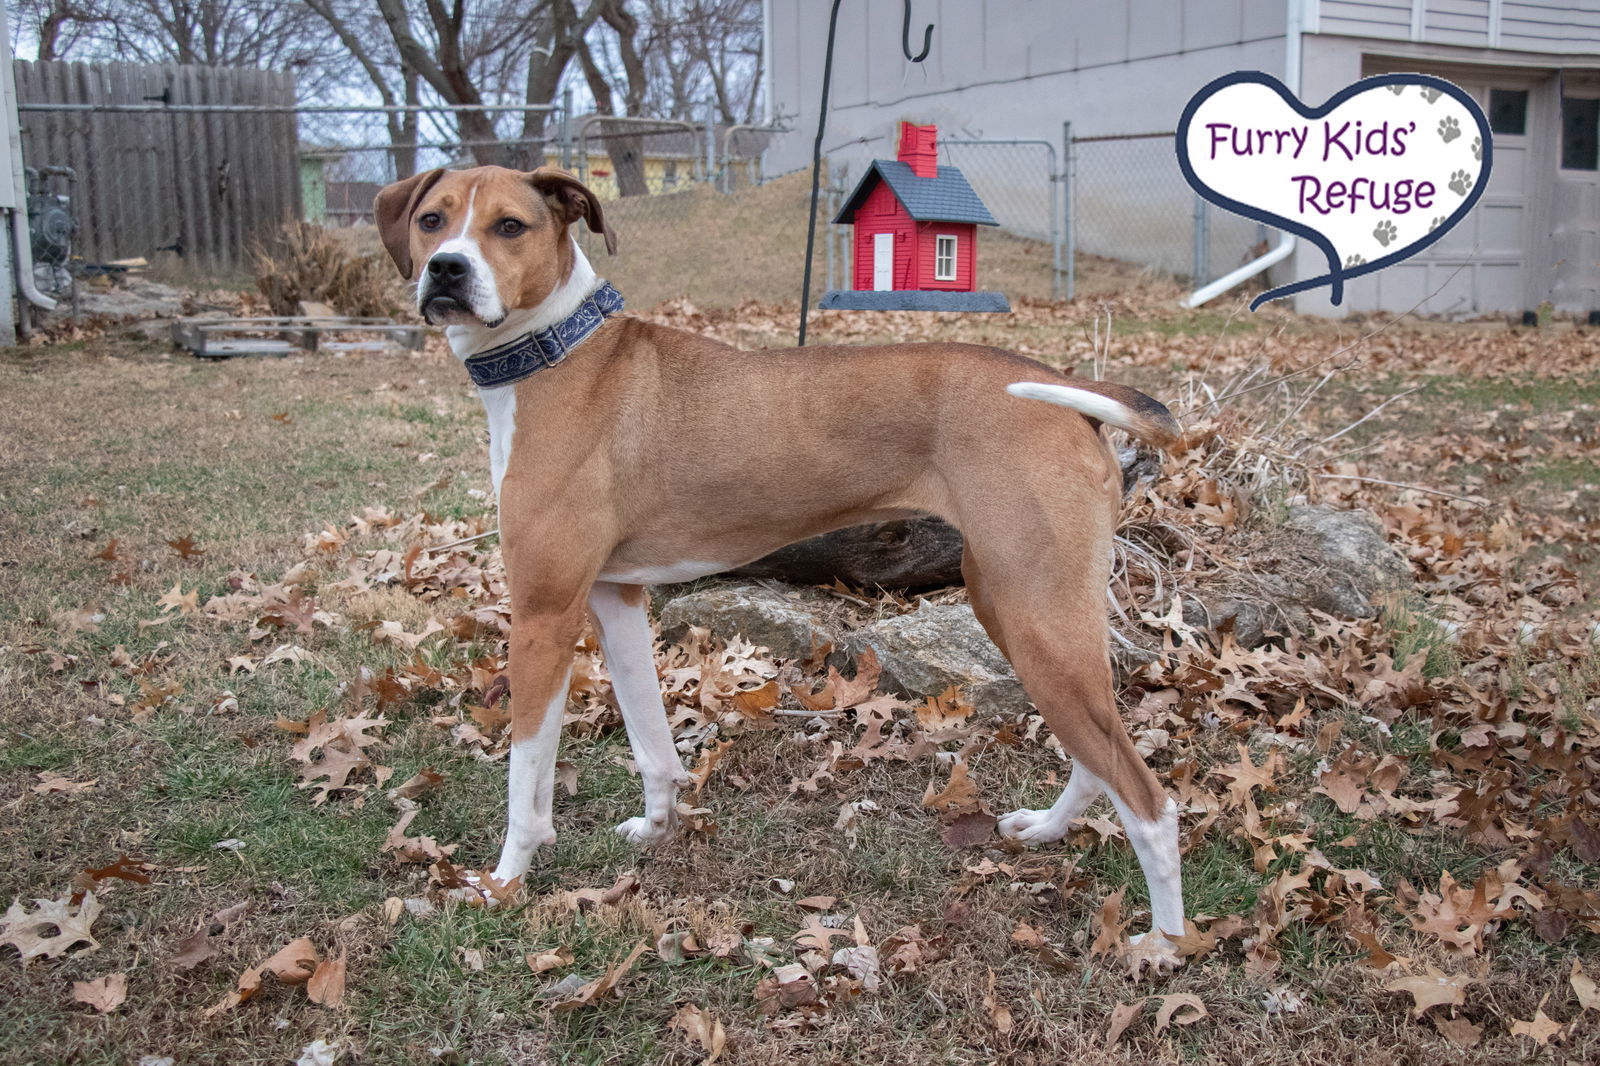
<point>1376,174</point>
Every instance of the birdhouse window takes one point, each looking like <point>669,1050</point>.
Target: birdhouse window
<point>944,257</point>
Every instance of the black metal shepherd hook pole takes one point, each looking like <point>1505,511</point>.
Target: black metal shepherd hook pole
<point>822,124</point>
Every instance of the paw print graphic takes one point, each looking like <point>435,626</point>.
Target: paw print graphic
<point>1385,232</point>
<point>1460,182</point>
<point>1354,260</point>
<point>1436,223</point>
<point>1477,148</point>
<point>1430,94</point>
<point>1397,89</point>
<point>1449,128</point>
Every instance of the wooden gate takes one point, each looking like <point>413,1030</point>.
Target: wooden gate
<point>199,161</point>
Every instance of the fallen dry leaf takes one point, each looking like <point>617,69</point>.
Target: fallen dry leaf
<point>1459,1031</point>
<point>294,963</point>
<point>816,935</point>
<point>553,959</point>
<point>604,986</point>
<point>1180,1008</point>
<point>1541,1027</point>
<point>1122,1016</point>
<point>959,796</point>
<point>999,1013</point>
<point>326,985</point>
<point>1110,926</point>
<point>193,949</point>
<point>104,994</point>
<point>1432,989</point>
<point>71,923</point>
<point>417,783</point>
<point>50,781</point>
<point>702,1027</point>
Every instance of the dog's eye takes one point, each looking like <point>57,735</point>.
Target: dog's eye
<point>430,221</point>
<point>510,227</point>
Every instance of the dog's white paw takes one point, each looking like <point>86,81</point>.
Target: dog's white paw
<point>1032,827</point>
<point>642,830</point>
<point>474,893</point>
<point>1154,951</point>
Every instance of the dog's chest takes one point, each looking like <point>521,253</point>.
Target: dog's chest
<point>500,404</point>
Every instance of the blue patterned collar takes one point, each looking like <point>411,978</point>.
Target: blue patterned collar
<point>533,352</point>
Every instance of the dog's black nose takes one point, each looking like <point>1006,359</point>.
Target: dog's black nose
<point>448,266</point>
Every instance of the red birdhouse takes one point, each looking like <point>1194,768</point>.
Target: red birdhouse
<point>916,234</point>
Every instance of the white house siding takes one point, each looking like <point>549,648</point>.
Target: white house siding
<point>1373,19</point>
<point>1010,68</point>
<point>1462,22</point>
<point>1019,69</point>
<point>1562,26</point>
<point>1568,27</point>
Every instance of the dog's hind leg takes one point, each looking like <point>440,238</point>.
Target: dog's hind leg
<point>1051,624</point>
<point>623,623</point>
<point>1073,692</point>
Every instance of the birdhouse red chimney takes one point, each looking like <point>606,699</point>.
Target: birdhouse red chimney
<point>919,147</point>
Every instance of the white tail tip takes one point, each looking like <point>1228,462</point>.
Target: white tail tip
<point>1083,401</point>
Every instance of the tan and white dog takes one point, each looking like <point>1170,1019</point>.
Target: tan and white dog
<point>656,455</point>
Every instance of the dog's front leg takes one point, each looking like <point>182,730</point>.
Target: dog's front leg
<point>541,651</point>
<point>622,620</point>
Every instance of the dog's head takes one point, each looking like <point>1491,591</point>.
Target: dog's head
<point>484,241</point>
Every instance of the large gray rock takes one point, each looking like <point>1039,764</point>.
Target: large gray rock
<point>1319,559</point>
<point>785,622</point>
<point>936,646</point>
<point>1355,564</point>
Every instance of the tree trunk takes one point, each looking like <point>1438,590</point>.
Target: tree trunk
<point>917,553</point>
<point>627,159</point>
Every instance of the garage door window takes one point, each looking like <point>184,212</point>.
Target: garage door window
<point>1580,133</point>
<point>1508,111</point>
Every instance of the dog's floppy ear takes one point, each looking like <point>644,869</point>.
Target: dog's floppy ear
<point>393,208</point>
<point>571,200</point>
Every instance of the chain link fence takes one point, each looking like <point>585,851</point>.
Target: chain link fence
<point>126,169</point>
<point>1128,202</point>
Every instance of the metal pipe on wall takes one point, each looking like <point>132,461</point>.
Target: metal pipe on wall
<point>1293,58</point>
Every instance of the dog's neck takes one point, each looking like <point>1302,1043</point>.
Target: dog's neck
<point>500,404</point>
<point>469,339</point>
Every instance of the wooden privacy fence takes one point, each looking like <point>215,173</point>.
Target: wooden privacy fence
<point>198,161</point>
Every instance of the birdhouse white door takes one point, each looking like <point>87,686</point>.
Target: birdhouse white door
<point>883,261</point>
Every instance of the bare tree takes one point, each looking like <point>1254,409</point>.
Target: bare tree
<point>57,26</point>
<point>394,80</point>
<point>704,49</point>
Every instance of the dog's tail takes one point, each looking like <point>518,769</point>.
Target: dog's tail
<point>1115,405</point>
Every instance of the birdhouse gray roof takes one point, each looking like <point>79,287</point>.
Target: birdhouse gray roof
<point>944,198</point>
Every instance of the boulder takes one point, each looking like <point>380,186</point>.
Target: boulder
<point>1319,559</point>
<point>936,646</point>
<point>1355,564</point>
<point>788,622</point>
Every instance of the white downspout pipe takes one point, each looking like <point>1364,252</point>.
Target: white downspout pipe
<point>1294,26</point>
<point>22,245</point>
